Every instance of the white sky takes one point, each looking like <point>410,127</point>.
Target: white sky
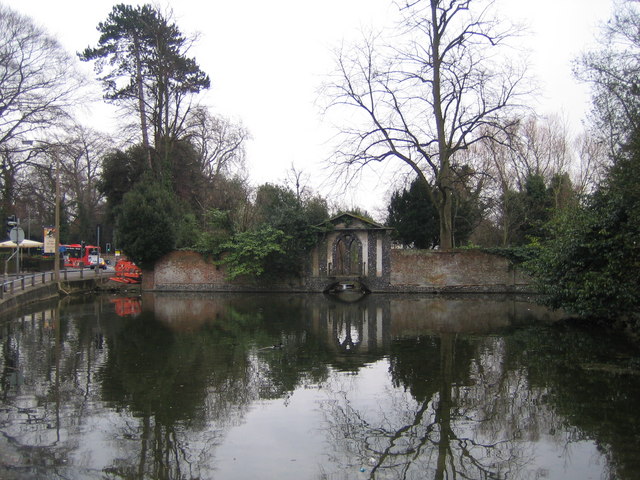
<point>266,60</point>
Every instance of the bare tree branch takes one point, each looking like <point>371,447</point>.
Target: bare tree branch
<point>441,87</point>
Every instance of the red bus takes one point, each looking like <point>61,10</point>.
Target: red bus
<point>77,256</point>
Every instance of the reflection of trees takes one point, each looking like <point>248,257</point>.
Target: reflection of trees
<point>266,321</point>
<point>435,423</point>
<point>476,407</point>
<point>172,392</point>
<point>162,379</point>
<point>591,381</point>
<point>45,388</point>
<point>188,386</point>
<point>156,394</point>
<point>165,390</point>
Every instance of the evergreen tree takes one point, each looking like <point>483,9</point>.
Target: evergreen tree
<point>591,264</point>
<point>414,217</point>
<point>147,222</point>
<point>281,209</point>
<point>142,62</point>
<point>121,170</point>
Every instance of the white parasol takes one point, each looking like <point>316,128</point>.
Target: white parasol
<point>23,244</point>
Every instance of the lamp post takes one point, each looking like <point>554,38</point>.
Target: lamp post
<point>56,255</point>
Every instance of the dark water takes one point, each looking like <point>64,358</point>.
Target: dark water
<point>306,387</point>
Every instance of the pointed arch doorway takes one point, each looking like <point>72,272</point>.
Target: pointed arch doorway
<point>347,255</point>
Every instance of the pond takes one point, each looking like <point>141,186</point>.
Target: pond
<point>247,386</point>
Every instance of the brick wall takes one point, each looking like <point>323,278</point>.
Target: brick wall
<point>190,271</point>
<point>410,271</point>
<point>469,270</point>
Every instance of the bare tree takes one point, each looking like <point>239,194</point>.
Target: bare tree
<point>220,143</point>
<point>500,169</point>
<point>592,160</point>
<point>298,181</point>
<point>36,184</point>
<point>443,89</point>
<point>540,146</point>
<point>78,153</point>
<point>612,71</point>
<point>81,154</point>
<point>38,87</point>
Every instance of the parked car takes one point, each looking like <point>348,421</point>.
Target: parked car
<point>101,264</point>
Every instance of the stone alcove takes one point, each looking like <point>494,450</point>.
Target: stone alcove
<point>350,249</point>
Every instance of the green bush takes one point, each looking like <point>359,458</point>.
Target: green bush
<point>250,253</point>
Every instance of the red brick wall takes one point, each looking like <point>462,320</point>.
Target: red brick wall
<point>466,268</point>
<point>411,271</point>
<point>186,270</point>
<point>184,267</point>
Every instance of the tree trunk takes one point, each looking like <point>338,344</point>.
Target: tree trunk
<point>443,181</point>
<point>141,103</point>
<point>8,187</point>
<point>445,207</point>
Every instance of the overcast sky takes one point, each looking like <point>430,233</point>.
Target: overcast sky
<point>266,60</point>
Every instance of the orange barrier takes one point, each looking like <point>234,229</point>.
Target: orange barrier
<point>127,272</point>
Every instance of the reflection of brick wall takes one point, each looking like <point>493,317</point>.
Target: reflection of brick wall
<point>420,270</point>
<point>185,312</point>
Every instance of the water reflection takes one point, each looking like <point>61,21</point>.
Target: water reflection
<point>185,386</point>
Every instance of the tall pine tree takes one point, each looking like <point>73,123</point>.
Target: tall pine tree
<point>142,62</point>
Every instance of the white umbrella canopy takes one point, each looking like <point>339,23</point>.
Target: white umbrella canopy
<point>23,244</point>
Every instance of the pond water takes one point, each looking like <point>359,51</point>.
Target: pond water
<point>245,386</point>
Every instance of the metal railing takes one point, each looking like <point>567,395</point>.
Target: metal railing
<point>22,282</point>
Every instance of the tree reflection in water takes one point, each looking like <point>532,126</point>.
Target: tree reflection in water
<point>407,387</point>
<point>446,427</point>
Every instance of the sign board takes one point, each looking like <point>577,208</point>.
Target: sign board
<point>16,235</point>
<point>49,240</point>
